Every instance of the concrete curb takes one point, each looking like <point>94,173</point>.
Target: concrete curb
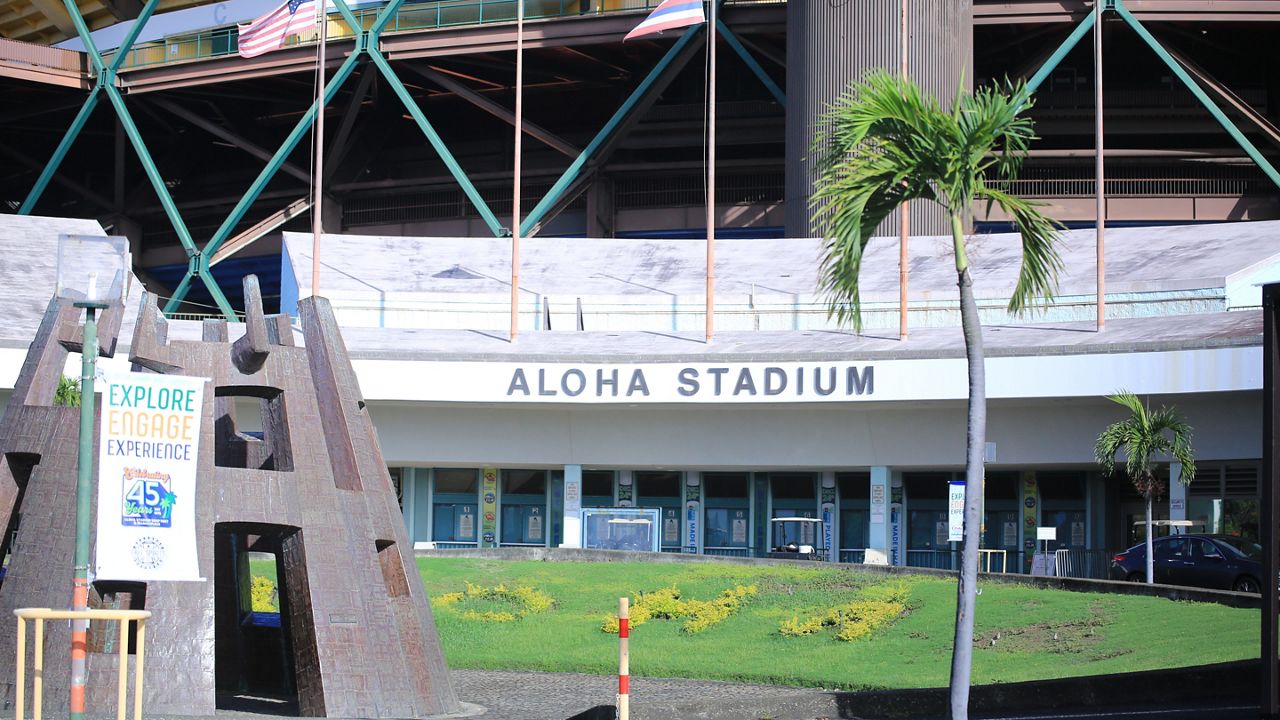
<point>1170,592</point>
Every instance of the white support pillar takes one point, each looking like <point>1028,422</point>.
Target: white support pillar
<point>1177,494</point>
<point>572,505</point>
<point>408,504</point>
<point>878,543</point>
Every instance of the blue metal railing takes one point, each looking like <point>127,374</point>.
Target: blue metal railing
<point>853,555</point>
<point>412,16</point>
<point>729,551</point>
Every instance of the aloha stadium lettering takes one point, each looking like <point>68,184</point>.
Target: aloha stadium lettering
<point>696,382</point>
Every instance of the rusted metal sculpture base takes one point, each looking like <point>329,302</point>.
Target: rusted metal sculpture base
<point>356,637</point>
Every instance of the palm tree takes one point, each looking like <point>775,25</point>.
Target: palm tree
<point>1144,435</point>
<point>884,142</point>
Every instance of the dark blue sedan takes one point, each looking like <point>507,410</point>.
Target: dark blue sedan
<point>1222,562</point>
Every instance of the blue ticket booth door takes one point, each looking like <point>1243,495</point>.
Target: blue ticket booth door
<point>855,515</point>
<point>523,508</point>
<point>455,510</point>
<point>1000,522</point>
<point>727,523</point>
<point>1062,506</point>
<point>927,520</point>
<point>663,489</point>
<point>794,495</point>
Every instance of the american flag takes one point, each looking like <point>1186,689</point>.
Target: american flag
<point>669,15</point>
<point>268,32</point>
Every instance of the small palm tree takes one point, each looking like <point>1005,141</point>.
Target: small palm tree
<point>68,392</point>
<point>1143,436</point>
<point>884,142</point>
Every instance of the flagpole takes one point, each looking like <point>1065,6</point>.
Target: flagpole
<point>515,188</point>
<point>711,170</point>
<point>904,212</point>
<point>317,178</point>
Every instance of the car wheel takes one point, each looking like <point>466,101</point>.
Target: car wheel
<point>1246,584</point>
<point>1136,577</point>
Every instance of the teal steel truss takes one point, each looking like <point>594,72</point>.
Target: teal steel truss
<point>1118,7</point>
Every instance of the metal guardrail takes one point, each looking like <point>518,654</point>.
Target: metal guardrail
<point>40,56</point>
<point>936,559</point>
<point>1091,564</point>
<point>853,555</point>
<point>987,561</point>
<point>412,16</point>
<point>729,551</point>
<point>40,615</point>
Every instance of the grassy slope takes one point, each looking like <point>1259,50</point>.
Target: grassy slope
<point>1095,633</point>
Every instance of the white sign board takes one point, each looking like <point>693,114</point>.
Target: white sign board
<point>955,511</point>
<point>1046,533</point>
<point>148,455</point>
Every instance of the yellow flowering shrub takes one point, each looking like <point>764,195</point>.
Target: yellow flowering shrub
<point>263,596</point>
<point>879,606</point>
<point>523,601</point>
<point>666,604</point>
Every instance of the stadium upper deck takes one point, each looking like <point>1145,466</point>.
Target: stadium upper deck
<point>210,120</point>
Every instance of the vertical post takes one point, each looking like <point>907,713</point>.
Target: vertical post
<point>904,211</point>
<point>624,659</point>
<point>1100,193</point>
<point>141,640</point>
<point>84,496</point>
<point>711,170</point>
<point>37,679</point>
<point>515,185</point>
<point>20,667</point>
<point>122,679</point>
<point>317,205</point>
<point>1270,665</point>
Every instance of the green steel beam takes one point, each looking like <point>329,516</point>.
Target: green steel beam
<point>434,138</point>
<point>1214,110</point>
<point>750,60</point>
<point>1067,45</point>
<point>384,67</point>
<point>123,50</point>
<point>200,259</point>
<point>104,76</point>
<point>575,168</point>
<point>68,139</point>
<point>277,161</point>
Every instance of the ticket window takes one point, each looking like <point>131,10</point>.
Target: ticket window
<point>597,488</point>
<point>727,497</point>
<point>663,490</point>
<point>794,495</point>
<point>1062,506</point>
<point>524,507</point>
<point>455,511</point>
<point>928,527</point>
<point>855,510</point>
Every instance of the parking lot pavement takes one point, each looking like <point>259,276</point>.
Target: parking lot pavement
<point>558,696</point>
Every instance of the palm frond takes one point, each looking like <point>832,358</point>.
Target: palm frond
<point>1038,274</point>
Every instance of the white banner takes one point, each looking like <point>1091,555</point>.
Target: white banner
<point>955,511</point>
<point>148,455</point>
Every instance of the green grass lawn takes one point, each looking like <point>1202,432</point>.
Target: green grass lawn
<point>1037,634</point>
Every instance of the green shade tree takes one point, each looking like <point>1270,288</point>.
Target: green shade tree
<point>885,142</point>
<point>1144,436</point>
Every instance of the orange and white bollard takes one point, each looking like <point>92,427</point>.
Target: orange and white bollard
<point>624,659</point>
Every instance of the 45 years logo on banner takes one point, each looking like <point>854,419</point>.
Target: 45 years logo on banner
<point>148,499</point>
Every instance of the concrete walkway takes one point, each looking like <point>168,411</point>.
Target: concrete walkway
<point>556,696</point>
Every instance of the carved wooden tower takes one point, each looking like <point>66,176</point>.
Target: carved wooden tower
<point>356,637</point>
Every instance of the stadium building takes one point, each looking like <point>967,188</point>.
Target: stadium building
<point>610,396</point>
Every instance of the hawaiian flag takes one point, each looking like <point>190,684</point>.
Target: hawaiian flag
<point>669,15</point>
<point>268,32</point>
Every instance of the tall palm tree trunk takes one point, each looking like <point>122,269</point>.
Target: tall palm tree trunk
<point>1151,561</point>
<point>966,592</point>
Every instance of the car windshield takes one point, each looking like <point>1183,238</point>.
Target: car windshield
<point>1241,547</point>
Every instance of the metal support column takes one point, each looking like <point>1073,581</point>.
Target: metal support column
<point>1270,665</point>
<point>1100,186</point>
